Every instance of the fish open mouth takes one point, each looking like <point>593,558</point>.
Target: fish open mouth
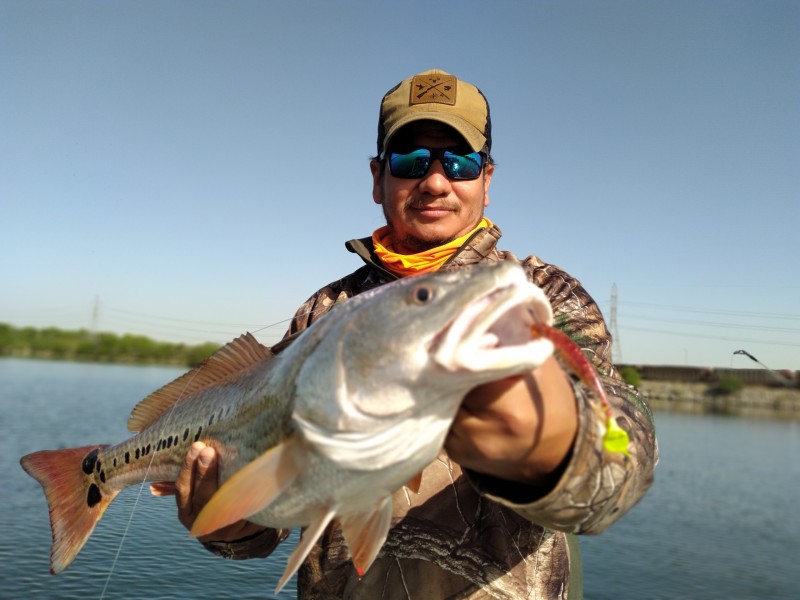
<point>493,332</point>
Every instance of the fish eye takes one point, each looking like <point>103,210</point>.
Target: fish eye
<point>421,294</point>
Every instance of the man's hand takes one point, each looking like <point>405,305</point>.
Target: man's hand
<point>196,483</point>
<point>518,429</point>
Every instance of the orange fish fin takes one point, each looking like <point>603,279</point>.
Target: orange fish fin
<point>415,483</point>
<point>252,488</point>
<point>224,365</point>
<point>307,541</point>
<point>76,502</point>
<point>162,488</point>
<point>365,533</point>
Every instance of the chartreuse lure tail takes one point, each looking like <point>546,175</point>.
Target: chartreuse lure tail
<point>616,439</point>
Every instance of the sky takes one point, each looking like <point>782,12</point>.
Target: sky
<point>191,170</point>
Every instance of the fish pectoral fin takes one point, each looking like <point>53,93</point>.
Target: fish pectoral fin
<point>415,483</point>
<point>365,532</point>
<point>307,541</point>
<point>252,488</point>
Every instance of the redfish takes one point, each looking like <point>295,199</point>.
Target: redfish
<point>330,427</point>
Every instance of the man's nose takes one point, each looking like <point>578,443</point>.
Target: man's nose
<point>435,181</point>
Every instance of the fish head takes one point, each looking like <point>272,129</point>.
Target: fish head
<point>422,340</point>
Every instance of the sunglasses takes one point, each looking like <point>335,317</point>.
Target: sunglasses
<point>416,163</point>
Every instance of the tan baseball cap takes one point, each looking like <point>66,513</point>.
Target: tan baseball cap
<point>437,96</point>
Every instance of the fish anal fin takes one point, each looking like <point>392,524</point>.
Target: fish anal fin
<point>252,488</point>
<point>76,503</point>
<point>224,365</point>
<point>365,532</point>
<point>307,541</point>
<point>415,483</point>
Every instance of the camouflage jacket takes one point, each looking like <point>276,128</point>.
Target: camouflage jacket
<point>470,536</point>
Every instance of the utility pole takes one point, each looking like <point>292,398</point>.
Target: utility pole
<point>616,349</point>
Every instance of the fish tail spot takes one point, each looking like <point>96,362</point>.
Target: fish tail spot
<point>75,500</point>
<point>93,497</point>
<point>89,461</point>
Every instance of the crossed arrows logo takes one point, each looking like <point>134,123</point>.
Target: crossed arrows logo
<point>433,89</point>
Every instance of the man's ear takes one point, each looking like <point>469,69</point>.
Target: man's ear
<point>488,171</point>
<point>377,173</point>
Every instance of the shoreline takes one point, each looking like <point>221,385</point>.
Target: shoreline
<point>752,401</point>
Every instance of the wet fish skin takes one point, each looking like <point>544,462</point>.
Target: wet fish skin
<point>354,408</point>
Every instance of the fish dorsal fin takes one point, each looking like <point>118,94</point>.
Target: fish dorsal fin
<point>224,365</point>
<point>365,533</point>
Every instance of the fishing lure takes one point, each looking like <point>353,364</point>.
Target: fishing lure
<point>616,439</point>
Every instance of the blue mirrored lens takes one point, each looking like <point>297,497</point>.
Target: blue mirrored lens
<point>466,166</point>
<point>412,165</point>
<point>415,164</point>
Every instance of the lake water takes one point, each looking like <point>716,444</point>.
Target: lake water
<point>719,523</point>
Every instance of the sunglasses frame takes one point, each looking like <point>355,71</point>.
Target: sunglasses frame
<point>435,154</point>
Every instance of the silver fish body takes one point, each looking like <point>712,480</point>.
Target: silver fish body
<point>353,409</point>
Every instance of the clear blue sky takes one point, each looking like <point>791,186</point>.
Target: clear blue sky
<point>190,170</point>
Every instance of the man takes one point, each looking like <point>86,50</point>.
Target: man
<point>524,467</point>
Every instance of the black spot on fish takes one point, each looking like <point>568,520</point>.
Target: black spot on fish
<point>158,446</point>
<point>219,415</point>
<point>185,434</point>
<point>103,476</point>
<point>199,431</point>
<point>115,461</point>
<point>211,420</point>
<point>90,461</point>
<point>94,496</point>
<point>169,442</point>
<point>127,458</point>
<point>147,449</point>
<point>97,466</point>
<point>136,454</point>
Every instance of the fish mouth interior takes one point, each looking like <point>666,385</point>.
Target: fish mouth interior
<point>492,332</point>
<point>511,328</point>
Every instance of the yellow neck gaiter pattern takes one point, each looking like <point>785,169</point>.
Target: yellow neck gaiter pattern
<point>423,262</point>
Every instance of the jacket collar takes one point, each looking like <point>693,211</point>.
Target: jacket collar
<point>480,247</point>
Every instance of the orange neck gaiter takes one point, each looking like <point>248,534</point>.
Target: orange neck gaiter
<point>423,262</point>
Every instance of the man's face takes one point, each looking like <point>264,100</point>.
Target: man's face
<point>433,210</point>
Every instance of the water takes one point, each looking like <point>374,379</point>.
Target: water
<point>718,524</point>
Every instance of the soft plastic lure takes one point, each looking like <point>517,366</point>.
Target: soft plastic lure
<point>615,439</point>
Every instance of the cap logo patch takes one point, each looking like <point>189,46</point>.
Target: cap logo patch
<point>440,89</point>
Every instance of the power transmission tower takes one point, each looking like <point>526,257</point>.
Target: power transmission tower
<point>95,319</point>
<point>616,349</point>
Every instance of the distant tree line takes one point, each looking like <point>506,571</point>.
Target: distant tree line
<point>83,345</point>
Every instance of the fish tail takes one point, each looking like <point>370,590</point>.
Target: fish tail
<point>76,502</point>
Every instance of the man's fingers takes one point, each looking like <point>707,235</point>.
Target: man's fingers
<point>184,485</point>
<point>205,483</point>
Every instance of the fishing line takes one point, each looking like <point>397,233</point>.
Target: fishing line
<point>139,493</point>
<point>194,372</point>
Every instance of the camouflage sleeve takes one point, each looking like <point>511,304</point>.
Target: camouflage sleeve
<point>594,487</point>
<point>324,299</point>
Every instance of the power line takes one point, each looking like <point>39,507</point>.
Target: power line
<point>734,313</point>
<point>712,337</point>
